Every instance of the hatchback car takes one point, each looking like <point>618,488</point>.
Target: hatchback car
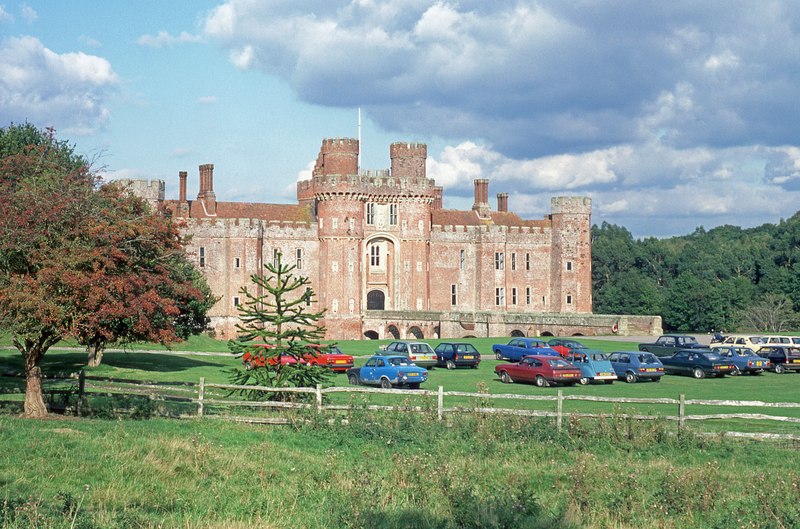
<point>594,366</point>
<point>781,359</point>
<point>388,371</point>
<point>744,360</point>
<point>564,346</point>
<point>457,354</point>
<point>419,352</point>
<point>541,370</point>
<point>633,366</point>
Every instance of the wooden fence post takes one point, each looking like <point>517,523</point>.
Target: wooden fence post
<point>681,410</point>
<point>201,393</point>
<point>319,398</point>
<point>440,403</point>
<point>559,409</point>
<point>81,391</point>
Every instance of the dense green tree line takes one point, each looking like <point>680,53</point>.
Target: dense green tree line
<point>725,278</point>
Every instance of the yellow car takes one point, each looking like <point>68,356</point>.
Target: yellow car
<point>750,341</point>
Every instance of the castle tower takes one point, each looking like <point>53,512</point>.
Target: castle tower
<point>338,156</point>
<point>571,255</point>
<point>408,159</point>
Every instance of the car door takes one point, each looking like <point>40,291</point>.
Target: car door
<point>367,372</point>
<point>528,369</point>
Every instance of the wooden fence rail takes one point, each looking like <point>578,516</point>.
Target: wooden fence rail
<point>201,394</point>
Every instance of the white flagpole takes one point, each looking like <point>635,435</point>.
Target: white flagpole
<point>359,140</point>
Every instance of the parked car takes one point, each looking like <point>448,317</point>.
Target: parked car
<point>328,356</point>
<point>751,341</point>
<point>388,371</point>
<point>633,366</point>
<point>564,346</point>
<point>744,360</point>
<point>542,370</point>
<point>419,352</point>
<point>259,358</point>
<point>698,363</point>
<point>668,344</point>
<point>457,354</point>
<point>594,366</point>
<point>516,348</point>
<point>781,359</point>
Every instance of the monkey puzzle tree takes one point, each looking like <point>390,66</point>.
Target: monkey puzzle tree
<point>277,326</point>
<point>81,261</point>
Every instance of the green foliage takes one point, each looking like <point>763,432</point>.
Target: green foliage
<point>702,281</point>
<point>276,327</point>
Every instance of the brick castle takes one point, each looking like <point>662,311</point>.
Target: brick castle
<point>387,261</point>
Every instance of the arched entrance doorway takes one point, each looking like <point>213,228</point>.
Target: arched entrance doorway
<point>371,335</point>
<point>516,333</point>
<point>376,300</point>
<point>392,330</point>
<point>416,332</point>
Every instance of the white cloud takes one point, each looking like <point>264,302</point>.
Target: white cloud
<point>307,172</point>
<point>68,90</point>
<point>5,16</point>
<point>165,39</point>
<point>207,100</point>
<point>28,13</point>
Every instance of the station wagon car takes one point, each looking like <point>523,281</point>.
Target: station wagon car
<point>419,352</point>
<point>697,363</point>
<point>457,354</point>
<point>594,366</point>
<point>541,370</point>
<point>633,366</point>
<point>388,371</point>
<point>744,360</point>
<point>781,359</point>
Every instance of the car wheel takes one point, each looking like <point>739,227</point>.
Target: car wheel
<point>385,384</point>
<point>698,373</point>
<point>505,378</point>
<point>451,364</point>
<point>584,381</point>
<point>780,369</point>
<point>353,379</point>
<point>541,382</point>
<point>735,371</point>
<point>630,378</point>
<point>498,355</point>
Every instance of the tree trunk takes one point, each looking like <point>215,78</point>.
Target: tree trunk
<point>95,354</point>
<point>34,398</point>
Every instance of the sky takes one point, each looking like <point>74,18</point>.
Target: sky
<point>669,115</point>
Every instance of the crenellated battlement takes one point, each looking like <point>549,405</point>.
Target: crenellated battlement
<point>571,205</point>
<point>371,183</point>
<point>150,190</point>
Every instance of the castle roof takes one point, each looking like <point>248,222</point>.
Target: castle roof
<point>246,210</point>
<point>456,217</point>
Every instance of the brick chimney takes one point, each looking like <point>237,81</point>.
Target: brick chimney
<point>502,202</point>
<point>481,205</point>
<point>183,204</point>
<point>437,197</point>
<point>206,195</point>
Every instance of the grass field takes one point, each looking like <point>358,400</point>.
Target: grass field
<point>393,470</point>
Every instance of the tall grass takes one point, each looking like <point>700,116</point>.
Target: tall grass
<point>387,471</point>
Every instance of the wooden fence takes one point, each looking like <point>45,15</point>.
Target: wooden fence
<point>198,397</point>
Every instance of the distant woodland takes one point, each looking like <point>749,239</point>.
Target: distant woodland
<point>724,279</point>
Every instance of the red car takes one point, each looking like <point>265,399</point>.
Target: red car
<point>335,360</point>
<point>541,370</point>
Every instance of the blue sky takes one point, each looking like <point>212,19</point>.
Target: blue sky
<point>669,115</point>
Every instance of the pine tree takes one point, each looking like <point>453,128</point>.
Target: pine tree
<point>275,330</point>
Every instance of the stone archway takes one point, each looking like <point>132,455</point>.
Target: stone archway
<point>516,333</point>
<point>416,332</point>
<point>376,300</point>
<point>371,335</point>
<point>393,331</point>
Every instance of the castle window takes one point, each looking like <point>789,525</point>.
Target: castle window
<point>419,303</point>
<point>514,296</point>
<point>500,296</point>
<point>235,301</point>
<point>335,306</point>
<point>335,266</point>
<point>321,223</point>
<point>237,262</point>
<point>461,259</point>
<point>527,261</point>
<point>419,266</point>
<point>393,214</point>
<point>513,261</point>
<point>351,305</point>
<point>454,295</point>
<point>299,258</point>
<point>375,255</point>
<point>499,260</point>
<point>528,295</point>
<point>420,225</point>
<point>569,299</point>
<point>308,295</point>
<point>370,213</point>
<point>352,224</point>
<point>569,266</point>
<point>335,223</point>
<point>202,256</point>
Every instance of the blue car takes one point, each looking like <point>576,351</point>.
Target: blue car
<point>744,360</point>
<point>594,366</point>
<point>633,366</point>
<point>517,348</point>
<point>388,371</point>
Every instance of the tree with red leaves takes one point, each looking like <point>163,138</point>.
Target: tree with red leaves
<point>82,260</point>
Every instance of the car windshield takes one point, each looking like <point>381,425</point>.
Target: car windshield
<point>648,359</point>
<point>400,361</point>
<point>575,345</point>
<point>557,362</point>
